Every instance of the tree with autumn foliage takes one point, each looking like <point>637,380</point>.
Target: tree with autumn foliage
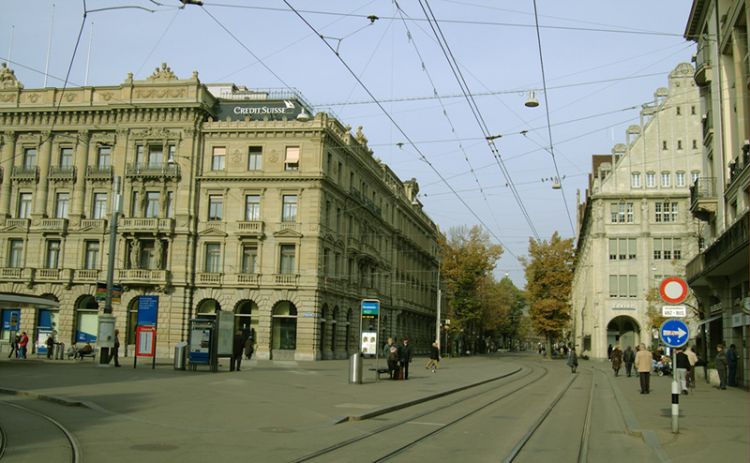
<point>467,261</point>
<point>503,305</point>
<point>549,277</point>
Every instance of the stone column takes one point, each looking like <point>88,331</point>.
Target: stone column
<point>7,153</point>
<point>79,191</point>
<point>42,194</point>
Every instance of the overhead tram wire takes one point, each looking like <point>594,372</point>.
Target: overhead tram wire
<point>457,21</point>
<point>413,41</point>
<point>453,64</point>
<point>396,124</point>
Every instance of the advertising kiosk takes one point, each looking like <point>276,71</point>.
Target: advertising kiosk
<point>202,344</point>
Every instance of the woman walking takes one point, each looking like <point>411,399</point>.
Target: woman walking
<point>572,359</point>
<point>434,361</point>
<point>616,359</point>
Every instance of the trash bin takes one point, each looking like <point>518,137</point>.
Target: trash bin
<point>355,369</point>
<point>180,355</point>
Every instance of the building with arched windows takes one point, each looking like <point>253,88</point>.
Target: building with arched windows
<point>232,200</point>
<point>634,225</point>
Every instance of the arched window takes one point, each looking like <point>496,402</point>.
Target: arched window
<point>207,308</point>
<point>334,318</point>
<point>322,339</point>
<point>243,315</point>
<point>284,326</point>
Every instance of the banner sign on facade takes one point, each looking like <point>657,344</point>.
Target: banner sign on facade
<point>274,110</point>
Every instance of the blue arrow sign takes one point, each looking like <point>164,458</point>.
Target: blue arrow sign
<point>674,333</point>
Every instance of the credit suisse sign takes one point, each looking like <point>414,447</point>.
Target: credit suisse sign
<point>274,110</point>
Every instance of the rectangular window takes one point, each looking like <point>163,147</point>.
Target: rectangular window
<point>679,144</point>
<point>613,249</point>
<point>252,208</point>
<point>631,248</point>
<point>215,207</point>
<point>622,290</point>
<point>291,159</point>
<point>676,248</point>
<point>286,261</point>
<point>62,205</point>
<point>24,205</point>
<point>666,179</point>
<point>66,158</point>
<point>680,179</point>
<point>172,154</point>
<point>153,199</point>
<point>695,144</point>
<point>664,145</point>
<point>135,210</point>
<point>15,256</point>
<point>100,206</point>
<point>170,204</point>
<point>91,259</point>
<point>140,157</point>
<point>694,175</point>
<point>327,262</point>
<point>53,254</point>
<point>104,157</point>
<point>155,156</point>
<point>622,249</point>
<point>339,172</point>
<point>255,158</point>
<point>289,208</point>
<point>249,258</point>
<point>613,285</point>
<point>337,265</point>
<point>632,285</point>
<point>678,111</point>
<point>217,158</point>
<point>29,158</point>
<point>213,258</point>
<point>635,180</point>
<point>650,180</point>
<point>658,246</point>
<point>621,212</point>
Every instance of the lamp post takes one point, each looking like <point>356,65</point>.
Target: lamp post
<point>105,336</point>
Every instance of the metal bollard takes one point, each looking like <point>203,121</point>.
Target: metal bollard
<point>355,369</point>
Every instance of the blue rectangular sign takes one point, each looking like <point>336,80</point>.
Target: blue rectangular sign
<point>370,308</point>
<point>148,309</point>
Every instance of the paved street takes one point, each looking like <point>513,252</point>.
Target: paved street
<point>284,411</point>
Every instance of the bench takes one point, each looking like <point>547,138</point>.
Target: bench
<point>91,354</point>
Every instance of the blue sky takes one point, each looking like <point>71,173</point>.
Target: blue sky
<point>602,60</point>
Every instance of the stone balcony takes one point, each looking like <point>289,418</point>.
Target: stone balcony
<point>145,225</point>
<point>62,173</point>
<point>99,173</point>
<point>93,225</point>
<point>286,279</point>
<point>86,275</point>
<point>23,224</point>
<point>144,277</point>
<point>53,275</point>
<point>165,170</point>
<point>52,226</point>
<point>209,278</point>
<point>249,228</point>
<point>18,274</point>
<point>703,198</point>
<point>247,279</point>
<point>25,174</point>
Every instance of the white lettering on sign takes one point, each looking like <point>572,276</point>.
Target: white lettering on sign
<point>259,110</point>
<point>674,311</point>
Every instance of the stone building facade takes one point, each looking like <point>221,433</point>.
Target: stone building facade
<point>232,200</point>
<point>634,225</point>
<point>719,276</point>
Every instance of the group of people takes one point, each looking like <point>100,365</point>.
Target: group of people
<point>726,365</point>
<point>18,346</point>
<point>399,356</point>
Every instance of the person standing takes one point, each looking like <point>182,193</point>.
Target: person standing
<point>721,365</point>
<point>616,359</point>
<point>572,359</point>
<point>114,353</point>
<point>434,361</point>
<point>682,366</point>
<point>249,343</point>
<point>238,347</point>
<point>732,365</point>
<point>22,345</point>
<point>609,352</point>
<point>693,360</point>
<point>643,366</point>
<point>628,357</point>
<point>405,355</point>
<point>50,343</point>
<point>14,346</point>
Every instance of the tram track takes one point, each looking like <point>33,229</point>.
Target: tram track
<point>398,450</point>
<point>10,439</point>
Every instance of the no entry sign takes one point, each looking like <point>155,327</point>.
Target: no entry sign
<point>673,290</point>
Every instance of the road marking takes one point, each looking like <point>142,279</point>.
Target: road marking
<point>426,423</point>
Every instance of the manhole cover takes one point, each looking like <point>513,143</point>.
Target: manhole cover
<point>154,447</point>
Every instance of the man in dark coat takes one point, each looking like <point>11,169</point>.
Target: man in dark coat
<point>721,366</point>
<point>238,346</point>
<point>628,357</point>
<point>616,359</point>
<point>732,365</point>
<point>405,354</point>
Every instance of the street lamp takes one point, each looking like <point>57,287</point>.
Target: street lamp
<point>106,337</point>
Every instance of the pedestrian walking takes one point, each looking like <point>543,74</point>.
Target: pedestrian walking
<point>572,359</point>
<point>628,357</point>
<point>14,346</point>
<point>405,355</point>
<point>50,343</point>
<point>115,352</point>
<point>643,361</point>
<point>693,360</point>
<point>390,353</point>
<point>616,359</point>
<point>22,345</point>
<point>682,366</point>
<point>249,343</point>
<point>720,361</point>
<point>238,347</point>
<point>732,365</point>
<point>434,361</point>
<point>609,352</point>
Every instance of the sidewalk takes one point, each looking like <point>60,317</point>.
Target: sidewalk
<point>714,425</point>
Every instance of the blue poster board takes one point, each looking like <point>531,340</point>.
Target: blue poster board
<point>148,310</point>
<point>11,319</point>
<point>370,308</point>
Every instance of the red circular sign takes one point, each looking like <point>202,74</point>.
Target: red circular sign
<point>673,290</point>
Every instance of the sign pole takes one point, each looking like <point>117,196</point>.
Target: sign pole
<point>675,395</point>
